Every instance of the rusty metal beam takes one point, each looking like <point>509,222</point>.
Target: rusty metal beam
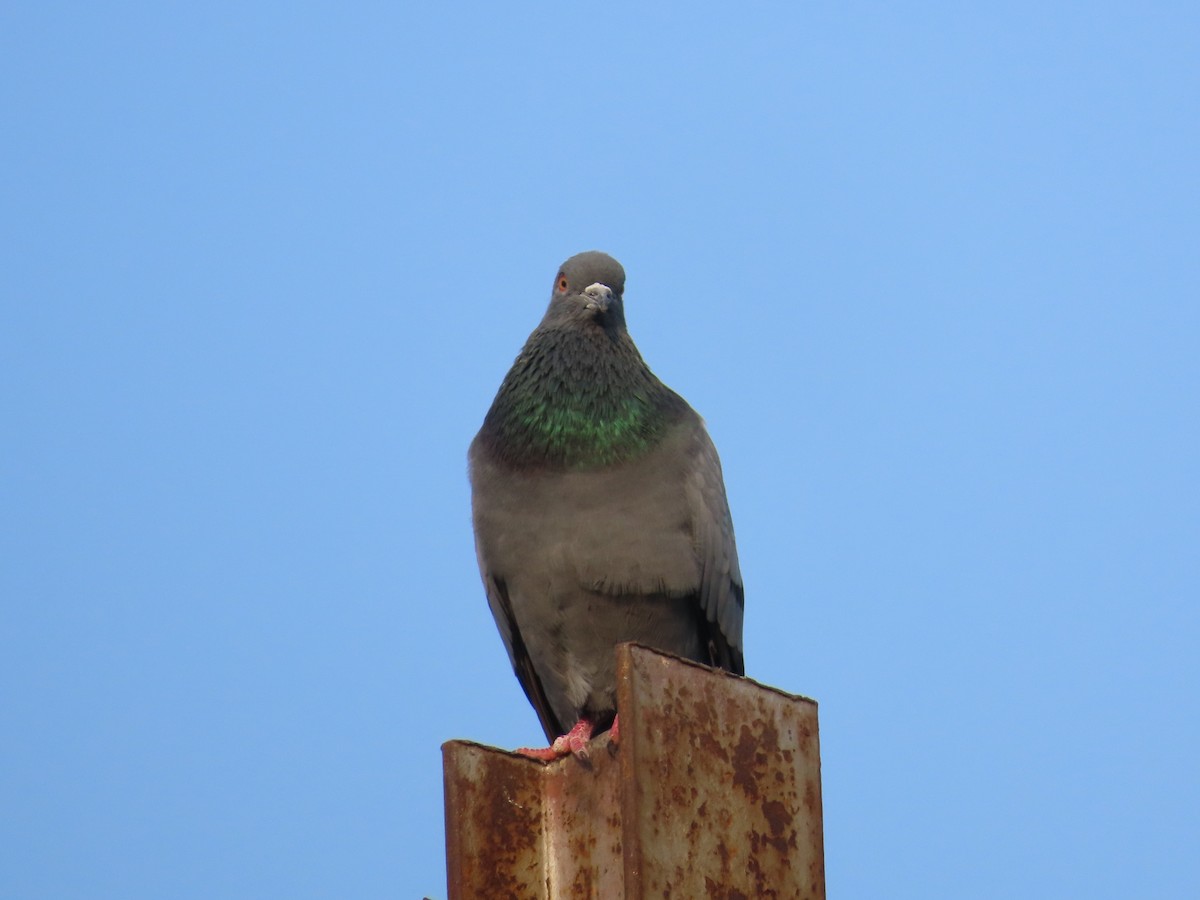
<point>714,791</point>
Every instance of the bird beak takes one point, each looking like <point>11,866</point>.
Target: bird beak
<point>599,297</point>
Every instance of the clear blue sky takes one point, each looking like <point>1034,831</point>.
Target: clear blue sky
<point>931,272</point>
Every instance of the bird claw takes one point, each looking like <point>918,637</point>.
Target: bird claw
<point>573,743</point>
<point>545,754</point>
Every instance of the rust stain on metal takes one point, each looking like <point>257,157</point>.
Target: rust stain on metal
<point>583,825</point>
<point>495,805</point>
<point>723,784</point>
<point>714,792</point>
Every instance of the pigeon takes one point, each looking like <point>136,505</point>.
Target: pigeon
<point>599,513</point>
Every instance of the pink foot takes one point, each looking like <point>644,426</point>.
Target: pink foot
<point>574,741</point>
<point>614,733</point>
<point>545,754</point>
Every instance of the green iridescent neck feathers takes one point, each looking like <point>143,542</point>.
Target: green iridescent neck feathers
<point>578,399</point>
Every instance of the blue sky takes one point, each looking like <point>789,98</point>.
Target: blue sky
<point>931,274</point>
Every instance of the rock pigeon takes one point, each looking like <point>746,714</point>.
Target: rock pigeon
<point>599,512</point>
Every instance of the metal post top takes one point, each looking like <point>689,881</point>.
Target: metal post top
<point>713,790</point>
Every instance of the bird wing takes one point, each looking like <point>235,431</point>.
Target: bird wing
<point>522,663</point>
<point>721,595</point>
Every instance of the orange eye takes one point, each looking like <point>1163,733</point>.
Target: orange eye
<point>562,284</point>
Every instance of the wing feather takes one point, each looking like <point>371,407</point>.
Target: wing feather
<point>721,595</point>
<point>522,664</point>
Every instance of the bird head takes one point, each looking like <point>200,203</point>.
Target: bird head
<point>588,290</point>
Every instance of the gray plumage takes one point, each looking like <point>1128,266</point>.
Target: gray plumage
<point>599,509</point>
